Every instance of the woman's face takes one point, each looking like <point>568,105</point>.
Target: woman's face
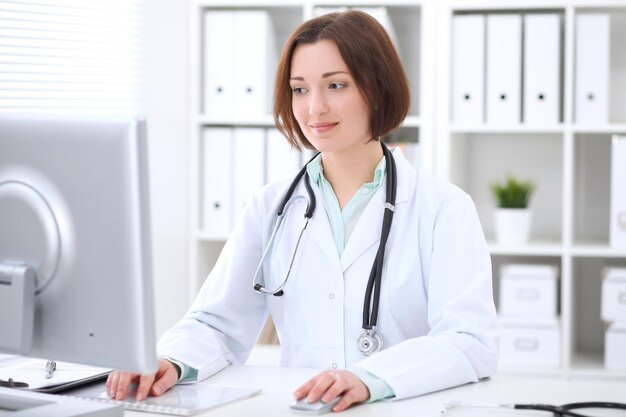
<point>326,102</point>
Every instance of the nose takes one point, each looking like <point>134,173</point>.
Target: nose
<point>317,103</point>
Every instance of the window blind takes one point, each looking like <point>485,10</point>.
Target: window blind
<point>70,56</point>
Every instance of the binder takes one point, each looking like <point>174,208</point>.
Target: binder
<point>217,182</point>
<point>618,192</point>
<point>468,54</point>
<point>592,68</point>
<point>542,69</point>
<point>282,160</point>
<point>219,90</point>
<point>504,45</point>
<point>255,62</point>
<point>249,160</point>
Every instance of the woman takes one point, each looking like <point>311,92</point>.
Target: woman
<point>340,87</point>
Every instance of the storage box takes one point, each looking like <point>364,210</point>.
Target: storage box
<point>614,294</point>
<point>615,347</point>
<point>528,290</point>
<point>530,343</point>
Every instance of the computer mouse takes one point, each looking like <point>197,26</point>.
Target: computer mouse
<point>317,407</point>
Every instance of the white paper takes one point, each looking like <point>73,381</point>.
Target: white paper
<point>32,371</point>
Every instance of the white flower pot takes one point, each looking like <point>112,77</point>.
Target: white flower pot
<point>512,226</point>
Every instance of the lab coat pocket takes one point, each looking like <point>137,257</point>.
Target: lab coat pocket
<point>407,300</point>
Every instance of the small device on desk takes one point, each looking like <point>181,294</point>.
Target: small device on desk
<point>75,251</point>
<point>317,407</point>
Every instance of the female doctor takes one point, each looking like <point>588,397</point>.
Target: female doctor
<point>387,285</point>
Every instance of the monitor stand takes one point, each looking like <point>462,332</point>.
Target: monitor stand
<point>19,403</point>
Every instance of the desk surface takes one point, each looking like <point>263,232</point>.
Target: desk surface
<point>279,383</point>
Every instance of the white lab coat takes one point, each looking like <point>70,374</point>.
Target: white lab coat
<point>436,316</point>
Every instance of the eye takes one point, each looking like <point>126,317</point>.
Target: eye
<point>298,90</point>
<point>336,86</point>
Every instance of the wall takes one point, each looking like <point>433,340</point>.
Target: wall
<point>167,109</point>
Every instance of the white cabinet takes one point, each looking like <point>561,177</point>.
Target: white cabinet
<point>569,161</point>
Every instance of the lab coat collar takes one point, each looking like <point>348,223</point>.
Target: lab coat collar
<point>367,230</point>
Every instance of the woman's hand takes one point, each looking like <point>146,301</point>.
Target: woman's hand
<point>329,384</point>
<point>154,384</point>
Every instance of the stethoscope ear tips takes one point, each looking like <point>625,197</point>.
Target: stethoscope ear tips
<point>279,293</point>
<point>258,287</point>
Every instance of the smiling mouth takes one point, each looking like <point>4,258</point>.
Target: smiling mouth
<point>323,127</point>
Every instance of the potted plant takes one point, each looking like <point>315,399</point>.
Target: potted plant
<point>512,217</point>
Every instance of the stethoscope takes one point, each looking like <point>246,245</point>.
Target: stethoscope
<point>370,341</point>
<point>566,410</point>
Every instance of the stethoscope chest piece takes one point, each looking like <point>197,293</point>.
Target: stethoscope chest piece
<point>370,342</point>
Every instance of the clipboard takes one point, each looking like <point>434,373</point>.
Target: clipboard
<point>180,400</point>
<point>66,375</point>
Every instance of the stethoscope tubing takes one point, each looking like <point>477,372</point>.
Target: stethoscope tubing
<point>370,342</point>
<point>375,279</point>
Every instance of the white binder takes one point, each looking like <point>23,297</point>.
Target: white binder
<point>219,89</point>
<point>283,161</point>
<point>504,56</point>
<point>542,60</point>
<point>592,69</point>
<point>468,56</point>
<point>249,160</point>
<point>618,192</point>
<point>255,62</point>
<point>217,182</point>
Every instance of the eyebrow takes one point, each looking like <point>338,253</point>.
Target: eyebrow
<point>324,75</point>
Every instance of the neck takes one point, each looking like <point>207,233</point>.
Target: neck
<point>347,171</point>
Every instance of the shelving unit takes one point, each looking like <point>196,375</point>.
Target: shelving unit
<point>569,161</point>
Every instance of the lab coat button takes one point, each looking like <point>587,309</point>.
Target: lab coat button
<point>334,365</point>
<point>331,295</point>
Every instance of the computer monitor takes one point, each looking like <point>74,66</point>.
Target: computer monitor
<point>75,251</point>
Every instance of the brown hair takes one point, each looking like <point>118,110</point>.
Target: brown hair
<point>372,60</point>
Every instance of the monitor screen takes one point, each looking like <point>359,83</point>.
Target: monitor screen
<point>74,211</point>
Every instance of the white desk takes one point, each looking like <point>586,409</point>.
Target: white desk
<point>279,383</point>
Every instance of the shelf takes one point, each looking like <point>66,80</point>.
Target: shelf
<point>591,365</point>
<point>597,249</point>
<point>266,121</point>
<point>507,129</point>
<point>536,248</point>
<point>606,129</point>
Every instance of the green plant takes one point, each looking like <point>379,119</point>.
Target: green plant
<point>512,193</point>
